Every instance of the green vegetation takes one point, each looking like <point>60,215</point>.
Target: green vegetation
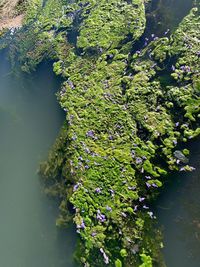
<point>124,119</point>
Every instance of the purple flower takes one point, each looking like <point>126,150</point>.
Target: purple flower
<point>87,150</point>
<point>138,160</point>
<point>111,137</point>
<point>101,250</point>
<point>112,192</point>
<point>124,214</point>
<point>133,153</point>
<point>94,234</point>
<point>108,208</point>
<point>150,214</point>
<point>71,84</point>
<point>185,68</point>
<point>91,134</point>
<point>132,187</point>
<point>98,190</point>
<point>106,259</point>
<point>148,177</point>
<point>192,168</point>
<point>141,199</point>
<point>145,207</point>
<point>74,137</point>
<point>93,154</point>
<point>153,65</point>
<point>76,187</point>
<point>175,142</point>
<point>123,169</point>
<point>148,185</point>
<point>165,33</point>
<point>81,226</point>
<point>100,217</point>
<point>154,185</point>
<point>173,68</point>
<point>177,124</point>
<point>136,208</point>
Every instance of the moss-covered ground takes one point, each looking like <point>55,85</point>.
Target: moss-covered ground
<point>127,112</point>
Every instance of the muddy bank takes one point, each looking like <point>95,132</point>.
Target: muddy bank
<point>9,23</point>
<point>11,14</point>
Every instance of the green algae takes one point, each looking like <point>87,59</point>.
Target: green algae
<point>123,125</point>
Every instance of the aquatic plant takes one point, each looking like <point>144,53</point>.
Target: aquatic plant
<point>123,124</point>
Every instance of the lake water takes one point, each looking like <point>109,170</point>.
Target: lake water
<point>178,212</point>
<point>30,119</point>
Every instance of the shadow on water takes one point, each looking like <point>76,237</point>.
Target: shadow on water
<point>30,119</point>
<point>178,212</point>
<point>166,14</point>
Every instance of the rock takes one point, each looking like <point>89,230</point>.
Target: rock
<point>179,155</point>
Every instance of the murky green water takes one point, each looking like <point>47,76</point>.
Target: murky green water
<point>30,119</point>
<point>178,212</point>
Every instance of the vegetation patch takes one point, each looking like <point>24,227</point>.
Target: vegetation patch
<point>123,123</point>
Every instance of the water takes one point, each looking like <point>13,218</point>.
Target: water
<point>178,212</point>
<point>166,14</point>
<point>30,119</point>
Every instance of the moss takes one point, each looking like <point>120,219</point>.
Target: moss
<point>118,263</point>
<point>121,130</point>
<point>147,261</point>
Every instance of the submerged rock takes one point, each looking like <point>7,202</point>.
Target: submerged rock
<point>179,155</point>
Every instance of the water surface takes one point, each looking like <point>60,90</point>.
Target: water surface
<point>30,119</point>
<point>178,211</point>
